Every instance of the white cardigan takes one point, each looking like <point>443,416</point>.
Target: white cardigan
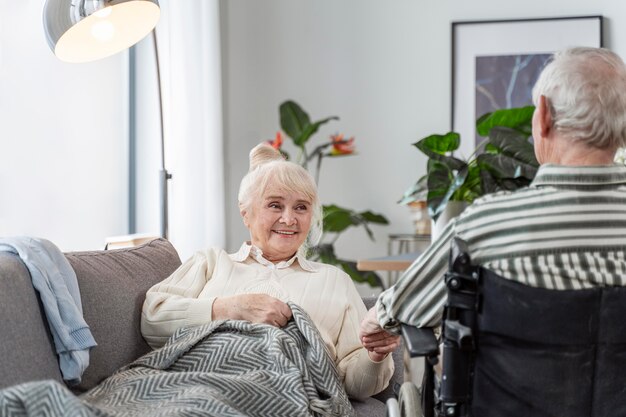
<point>325,292</point>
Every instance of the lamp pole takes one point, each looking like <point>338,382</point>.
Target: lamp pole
<point>164,176</point>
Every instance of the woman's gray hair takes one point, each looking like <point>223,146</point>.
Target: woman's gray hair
<point>585,90</point>
<point>268,166</point>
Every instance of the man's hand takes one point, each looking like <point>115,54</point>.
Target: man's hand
<point>378,342</point>
<point>255,308</point>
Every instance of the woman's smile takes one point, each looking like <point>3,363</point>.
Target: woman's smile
<point>285,232</point>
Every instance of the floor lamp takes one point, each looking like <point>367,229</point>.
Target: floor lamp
<point>87,30</point>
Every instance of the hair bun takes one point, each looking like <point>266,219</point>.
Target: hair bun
<point>262,154</point>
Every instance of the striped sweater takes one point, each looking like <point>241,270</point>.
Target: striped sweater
<point>567,230</point>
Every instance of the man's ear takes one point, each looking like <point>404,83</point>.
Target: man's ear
<point>545,116</point>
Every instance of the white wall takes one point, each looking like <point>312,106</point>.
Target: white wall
<point>383,67</point>
<point>63,138</point>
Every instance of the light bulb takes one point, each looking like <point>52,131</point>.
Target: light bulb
<point>103,31</point>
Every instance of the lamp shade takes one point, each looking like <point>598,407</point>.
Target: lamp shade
<point>87,30</point>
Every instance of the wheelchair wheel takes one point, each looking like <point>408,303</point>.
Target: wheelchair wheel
<point>409,400</point>
<point>393,410</point>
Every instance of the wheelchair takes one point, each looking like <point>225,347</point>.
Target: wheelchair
<point>512,350</point>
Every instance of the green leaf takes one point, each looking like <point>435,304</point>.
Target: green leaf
<point>514,144</point>
<point>417,192</point>
<point>488,182</point>
<point>338,219</point>
<point>366,217</point>
<point>482,119</point>
<point>518,118</point>
<point>436,146</point>
<point>503,166</point>
<point>491,148</point>
<point>366,277</point>
<point>440,178</point>
<point>370,217</point>
<point>311,129</point>
<point>296,123</point>
<point>456,183</point>
<point>293,120</point>
<point>440,144</point>
<point>471,188</point>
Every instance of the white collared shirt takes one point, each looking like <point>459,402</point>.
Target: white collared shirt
<point>249,250</point>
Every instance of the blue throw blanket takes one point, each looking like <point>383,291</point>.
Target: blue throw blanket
<point>55,280</point>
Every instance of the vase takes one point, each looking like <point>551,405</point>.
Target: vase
<point>419,217</point>
<point>453,209</point>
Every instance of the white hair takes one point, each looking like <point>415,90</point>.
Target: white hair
<point>268,166</point>
<point>585,90</point>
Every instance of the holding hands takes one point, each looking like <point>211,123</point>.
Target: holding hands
<point>255,308</point>
<point>378,342</point>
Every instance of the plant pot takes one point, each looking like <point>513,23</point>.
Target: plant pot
<point>453,209</point>
<point>419,217</point>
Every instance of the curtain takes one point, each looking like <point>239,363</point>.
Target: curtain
<point>188,37</point>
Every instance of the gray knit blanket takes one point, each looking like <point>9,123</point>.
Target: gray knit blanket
<point>225,368</point>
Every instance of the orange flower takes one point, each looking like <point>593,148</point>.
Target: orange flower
<point>341,146</point>
<point>277,142</point>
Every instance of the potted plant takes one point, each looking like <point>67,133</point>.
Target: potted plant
<point>298,126</point>
<point>505,160</point>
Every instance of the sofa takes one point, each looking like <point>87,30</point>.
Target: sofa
<point>112,285</point>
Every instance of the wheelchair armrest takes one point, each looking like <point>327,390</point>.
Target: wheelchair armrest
<point>420,341</point>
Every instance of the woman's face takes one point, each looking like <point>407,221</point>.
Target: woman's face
<point>279,222</point>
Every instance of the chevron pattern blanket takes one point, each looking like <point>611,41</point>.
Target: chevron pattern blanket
<point>225,368</point>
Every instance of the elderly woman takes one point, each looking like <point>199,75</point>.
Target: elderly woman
<point>279,204</point>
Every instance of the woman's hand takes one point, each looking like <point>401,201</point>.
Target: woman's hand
<point>377,341</point>
<point>255,308</point>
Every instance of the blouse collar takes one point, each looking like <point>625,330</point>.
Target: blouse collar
<point>248,250</point>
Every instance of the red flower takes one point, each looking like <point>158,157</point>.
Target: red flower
<point>341,146</point>
<point>277,142</point>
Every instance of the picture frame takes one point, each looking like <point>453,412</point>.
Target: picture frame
<point>495,63</point>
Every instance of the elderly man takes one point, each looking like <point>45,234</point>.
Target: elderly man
<point>567,230</point>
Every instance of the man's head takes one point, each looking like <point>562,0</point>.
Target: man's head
<point>581,98</point>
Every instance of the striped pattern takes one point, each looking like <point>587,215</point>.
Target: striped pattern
<point>225,368</point>
<point>566,231</point>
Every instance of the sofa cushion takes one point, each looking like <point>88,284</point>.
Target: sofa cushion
<point>26,349</point>
<point>113,285</point>
<point>369,407</point>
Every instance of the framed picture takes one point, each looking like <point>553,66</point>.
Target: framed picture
<point>495,64</point>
